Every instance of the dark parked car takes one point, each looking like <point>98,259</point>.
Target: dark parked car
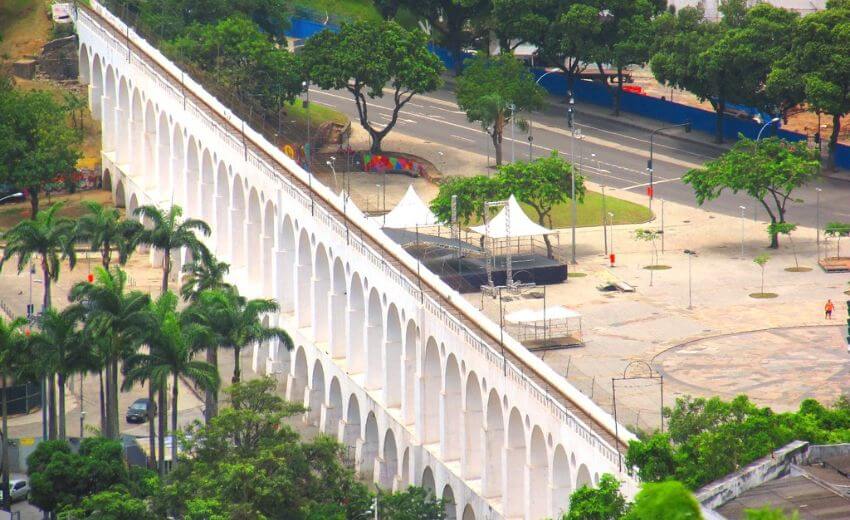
<point>138,411</point>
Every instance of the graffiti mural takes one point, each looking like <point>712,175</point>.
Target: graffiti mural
<point>381,163</point>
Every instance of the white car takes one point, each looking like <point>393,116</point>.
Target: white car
<point>20,489</point>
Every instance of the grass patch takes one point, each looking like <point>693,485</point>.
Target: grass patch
<point>657,267</point>
<point>295,112</point>
<point>11,214</point>
<point>800,269</point>
<point>763,295</point>
<point>24,26</point>
<point>363,10</point>
<point>576,275</point>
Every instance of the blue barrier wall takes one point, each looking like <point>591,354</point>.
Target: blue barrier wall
<point>304,28</point>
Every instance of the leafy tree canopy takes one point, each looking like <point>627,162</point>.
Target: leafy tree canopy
<point>603,502</point>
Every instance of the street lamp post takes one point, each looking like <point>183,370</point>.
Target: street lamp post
<point>513,140</point>
<point>12,196</point>
<point>530,137</point>
<point>817,221</point>
<point>571,124</point>
<point>690,254</point>
<point>604,222</point>
<point>649,165</point>
<point>611,223</point>
<point>764,126</point>
<point>307,150</point>
<point>743,208</point>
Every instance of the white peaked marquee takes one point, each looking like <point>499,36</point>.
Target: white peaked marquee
<point>511,222</point>
<point>387,358</point>
<point>410,212</point>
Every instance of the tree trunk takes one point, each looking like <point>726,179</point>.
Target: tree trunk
<point>174,422</point>
<point>60,377</point>
<point>721,109</point>
<point>102,404</point>
<point>237,371</point>
<point>51,407</point>
<point>4,451</point>
<point>762,279</point>
<point>163,420</point>
<point>376,138</point>
<point>833,142</point>
<point>151,427</point>
<point>45,272</point>
<point>211,397</point>
<point>497,145</point>
<point>166,269</point>
<point>619,91</point>
<point>113,408</point>
<point>33,194</point>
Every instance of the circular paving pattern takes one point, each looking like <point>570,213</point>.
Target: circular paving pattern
<point>775,367</point>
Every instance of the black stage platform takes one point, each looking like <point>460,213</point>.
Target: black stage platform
<point>470,272</point>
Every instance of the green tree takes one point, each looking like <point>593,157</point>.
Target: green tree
<point>493,90</point>
<point>413,503</point>
<point>785,228</point>
<point>105,231</point>
<point>603,502</point>
<point>768,171</point>
<point>37,147</point>
<point>768,513</point>
<point>815,63</point>
<point>47,237</point>
<point>542,184</point>
<point>169,232</point>
<point>471,192</point>
<point>111,505</point>
<point>12,344</point>
<point>669,500</point>
<point>203,274</point>
<point>761,261</point>
<point>654,458</point>
<point>170,18</point>
<point>364,58</point>
<point>121,320</point>
<point>837,230</point>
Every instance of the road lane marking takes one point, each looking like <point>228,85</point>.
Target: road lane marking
<point>468,140</point>
<point>645,184</point>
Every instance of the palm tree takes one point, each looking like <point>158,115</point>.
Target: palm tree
<point>106,231</point>
<point>58,345</point>
<point>12,344</point>
<point>50,238</point>
<point>203,274</point>
<point>121,319</point>
<point>169,233</point>
<point>171,344</point>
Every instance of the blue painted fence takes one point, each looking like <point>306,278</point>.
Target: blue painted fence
<point>594,92</point>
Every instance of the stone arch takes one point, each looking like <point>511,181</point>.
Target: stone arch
<point>253,231</point>
<point>237,223</point>
<point>268,243</point>
<point>451,504</point>
<point>374,341</point>
<point>193,166</point>
<point>561,482</point>
<point>132,206</point>
<point>137,128</point>
<point>163,155</point>
<point>338,314</point>
<point>405,469</point>
<point>334,412</point>
<point>356,315</point>
<point>468,513</point>
<point>108,128</point>
<point>473,417</point>
<point>123,147</point>
<point>351,432</point>
<point>317,394</point>
<point>538,475</point>
<point>430,395</point>
<point>222,207</point>
<point>451,411</point>
<point>286,268</point>
<point>392,359</point>
<point>321,290</point>
<point>494,447</point>
<point>96,89</point>
<point>177,170</point>
<point>583,477</point>
<point>303,278</point>
<point>207,200</point>
<point>411,347</point>
<point>120,197</point>
<point>428,481</point>
<point>106,180</point>
<point>148,172</point>
<point>369,451</point>
<point>299,377</point>
<point>389,469</point>
<point>84,65</point>
<point>514,493</point>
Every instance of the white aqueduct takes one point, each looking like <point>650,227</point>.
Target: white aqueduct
<point>422,387</point>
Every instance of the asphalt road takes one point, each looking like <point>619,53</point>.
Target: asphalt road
<point>609,153</point>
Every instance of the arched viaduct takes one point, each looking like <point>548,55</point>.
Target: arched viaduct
<point>388,359</point>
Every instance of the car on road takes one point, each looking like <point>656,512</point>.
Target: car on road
<point>19,489</point>
<point>138,411</point>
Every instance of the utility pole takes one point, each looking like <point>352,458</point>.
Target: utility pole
<point>571,124</point>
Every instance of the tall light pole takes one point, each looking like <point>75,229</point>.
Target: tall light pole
<point>649,166</point>
<point>690,254</point>
<point>817,220</point>
<point>308,151</point>
<point>743,208</point>
<point>12,196</point>
<point>604,221</point>
<point>513,140</point>
<point>571,124</point>
<point>764,126</point>
<point>611,221</point>
<point>530,137</point>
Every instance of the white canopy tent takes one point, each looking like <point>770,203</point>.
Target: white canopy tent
<point>556,312</point>
<point>410,212</point>
<point>549,323</point>
<point>511,222</point>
